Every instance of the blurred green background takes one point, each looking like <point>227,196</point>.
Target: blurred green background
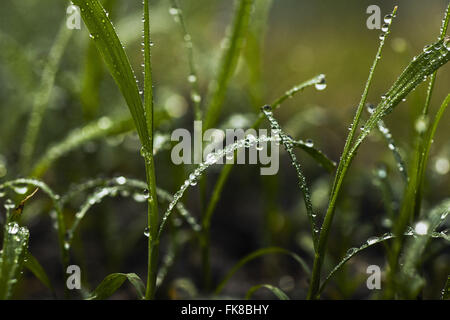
<point>302,39</point>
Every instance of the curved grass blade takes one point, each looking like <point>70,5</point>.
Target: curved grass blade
<point>233,45</point>
<point>401,166</point>
<point>257,254</point>
<point>433,57</point>
<point>32,264</point>
<point>111,49</point>
<point>178,17</point>
<point>369,243</point>
<point>113,187</point>
<point>410,281</point>
<point>211,159</point>
<point>276,291</point>
<point>113,282</point>
<point>56,216</point>
<point>15,243</point>
<point>42,97</point>
<point>103,127</point>
<point>288,146</point>
<point>315,153</point>
<point>226,170</point>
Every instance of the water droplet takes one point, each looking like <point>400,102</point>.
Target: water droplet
<point>309,143</point>
<point>382,36</point>
<point>9,205</point>
<point>421,227</point>
<point>372,240</point>
<point>370,108</point>
<point>351,251</point>
<point>266,108</point>
<point>442,166</point>
<point>388,18</point>
<point>121,180</point>
<point>147,232</point>
<point>385,27</point>
<point>447,43</point>
<point>13,228</point>
<point>174,11</point>
<point>421,124</point>
<point>322,84</point>
<point>192,78</point>
<point>21,189</point>
<point>427,49</point>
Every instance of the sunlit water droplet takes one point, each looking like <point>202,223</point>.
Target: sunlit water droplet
<point>421,227</point>
<point>13,228</point>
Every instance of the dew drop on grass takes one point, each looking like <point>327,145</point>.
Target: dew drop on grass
<point>322,84</point>
<point>13,228</point>
<point>146,232</point>
<point>442,166</point>
<point>372,240</point>
<point>385,27</point>
<point>421,124</point>
<point>121,180</point>
<point>447,43</point>
<point>370,108</point>
<point>9,205</point>
<point>421,227</point>
<point>309,143</point>
<point>382,36</point>
<point>388,18</point>
<point>192,78</point>
<point>351,251</point>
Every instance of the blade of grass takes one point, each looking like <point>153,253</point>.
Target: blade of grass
<point>103,127</point>
<point>153,216</point>
<point>32,264</point>
<point>113,282</point>
<point>256,254</point>
<point>276,291</point>
<point>369,243</point>
<point>233,45</point>
<point>42,97</point>
<point>15,243</point>
<point>323,237</point>
<point>410,281</point>
<point>178,16</point>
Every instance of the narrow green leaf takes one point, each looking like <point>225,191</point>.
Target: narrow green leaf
<point>108,44</point>
<point>42,97</point>
<point>113,282</point>
<point>256,254</point>
<point>101,128</point>
<point>15,243</point>
<point>276,291</point>
<point>286,141</point>
<point>233,45</point>
<point>32,264</point>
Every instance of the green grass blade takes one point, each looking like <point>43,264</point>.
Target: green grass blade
<point>108,44</point>
<point>15,243</point>
<point>104,127</point>
<point>286,141</point>
<point>443,31</point>
<point>57,218</point>
<point>113,282</point>
<point>316,154</point>
<point>32,264</point>
<point>178,17</point>
<point>410,281</point>
<point>42,97</point>
<point>256,254</point>
<point>226,170</point>
<point>147,153</point>
<point>446,290</point>
<point>401,166</point>
<point>276,291</point>
<point>233,46</point>
<point>369,243</point>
